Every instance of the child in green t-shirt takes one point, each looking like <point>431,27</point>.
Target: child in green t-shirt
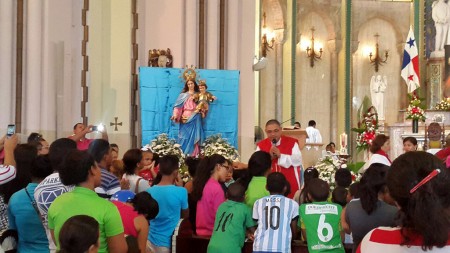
<point>320,220</point>
<point>233,220</point>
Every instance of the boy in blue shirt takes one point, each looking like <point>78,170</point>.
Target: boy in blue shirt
<point>172,200</point>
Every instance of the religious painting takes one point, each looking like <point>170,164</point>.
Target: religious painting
<point>162,90</point>
<point>160,58</point>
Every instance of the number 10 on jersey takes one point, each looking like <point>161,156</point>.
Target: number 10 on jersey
<point>272,217</point>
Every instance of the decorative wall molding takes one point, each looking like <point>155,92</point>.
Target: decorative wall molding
<point>134,75</point>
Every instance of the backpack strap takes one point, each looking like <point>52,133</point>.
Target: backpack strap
<point>33,203</point>
<point>136,188</point>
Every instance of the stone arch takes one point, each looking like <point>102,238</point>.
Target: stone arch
<point>275,13</point>
<point>398,34</point>
<point>363,70</point>
<point>330,26</point>
<point>309,80</point>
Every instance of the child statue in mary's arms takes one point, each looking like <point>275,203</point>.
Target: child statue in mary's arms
<point>203,99</point>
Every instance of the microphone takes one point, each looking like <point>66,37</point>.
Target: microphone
<point>274,143</point>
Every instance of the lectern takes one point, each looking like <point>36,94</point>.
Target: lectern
<point>298,134</point>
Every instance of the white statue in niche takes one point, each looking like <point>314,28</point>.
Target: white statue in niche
<point>378,86</point>
<point>441,15</point>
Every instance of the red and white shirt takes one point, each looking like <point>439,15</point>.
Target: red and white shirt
<point>386,239</point>
<point>7,173</point>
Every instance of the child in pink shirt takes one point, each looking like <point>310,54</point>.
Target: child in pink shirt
<point>211,172</point>
<point>136,212</point>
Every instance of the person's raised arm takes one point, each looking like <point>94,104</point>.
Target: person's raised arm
<point>2,142</point>
<point>152,170</point>
<point>239,165</point>
<point>76,137</point>
<point>104,134</point>
<point>10,145</point>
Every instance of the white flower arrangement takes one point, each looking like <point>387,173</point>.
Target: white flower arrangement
<point>162,146</point>
<point>215,144</point>
<point>328,166</point>
<point>443,105</point>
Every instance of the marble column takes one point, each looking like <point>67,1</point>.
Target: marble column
<point>334,46</point>
<point>232,45</point>
<point>48,86</point>
<point>212,34</point>
<point>33,67</point>
<point>6,62</point>
<point>279,81</point>
<point>190,55</point>
<point>109,68</point>
<point>244,54</point>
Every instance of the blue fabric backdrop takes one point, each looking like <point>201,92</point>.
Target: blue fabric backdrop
<point>160,87</point>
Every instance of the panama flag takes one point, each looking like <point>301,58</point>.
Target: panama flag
<point>410,66</point>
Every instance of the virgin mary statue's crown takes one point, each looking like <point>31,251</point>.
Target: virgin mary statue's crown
<point>189,73</point>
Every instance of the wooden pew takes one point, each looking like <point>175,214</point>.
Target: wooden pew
<point>197,244</point>
<point>184,241</point>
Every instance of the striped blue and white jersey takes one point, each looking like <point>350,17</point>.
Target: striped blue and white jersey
<point>274,215</point>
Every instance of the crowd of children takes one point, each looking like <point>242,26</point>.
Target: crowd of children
<point>402,208</point>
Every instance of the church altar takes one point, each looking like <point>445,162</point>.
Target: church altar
<point>398,131</point>
<point>311,152</point>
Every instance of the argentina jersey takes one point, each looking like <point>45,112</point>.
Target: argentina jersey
<point>274,215</point>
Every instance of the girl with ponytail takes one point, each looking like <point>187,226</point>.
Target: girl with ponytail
<point>208,191</point>
<point>419,184</point>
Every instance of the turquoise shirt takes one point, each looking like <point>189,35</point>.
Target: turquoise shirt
<point>23,217</point>
<point>171,200</point>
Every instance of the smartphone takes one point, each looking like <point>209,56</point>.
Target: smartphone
<point>94,128</point>
<point>11,130</point>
